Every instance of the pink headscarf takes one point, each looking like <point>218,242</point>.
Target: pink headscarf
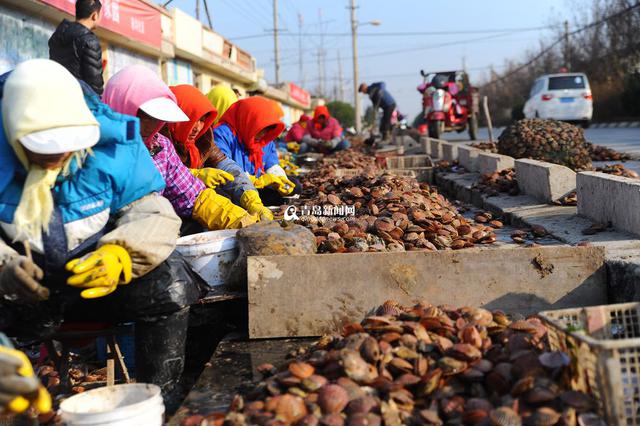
<point>133,86</point>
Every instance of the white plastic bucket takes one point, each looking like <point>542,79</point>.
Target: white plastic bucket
<point>122,405</point>
<point>210,254</point>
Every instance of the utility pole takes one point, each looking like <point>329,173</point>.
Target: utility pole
<point>206,10</point>
<point>340,79</point>
<point>198,10</point>
<point>567,59</point>
<point>320,76</point>
<point>356,78</point>
<point>300,53</point>
<point>322,53</point>
<point>275,41</point>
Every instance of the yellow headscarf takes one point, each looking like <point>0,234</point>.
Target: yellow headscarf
<point>222,97</point>
<point>39,95</point>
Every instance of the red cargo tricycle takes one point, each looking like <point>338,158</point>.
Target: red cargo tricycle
<point>449,103</point>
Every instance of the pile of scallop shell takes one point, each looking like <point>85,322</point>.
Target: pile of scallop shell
<point>486,146</point>
<point>504,181</point>
<point>617,170</point>
<point>602,153</point>
<point>390,213</point>
<point>422,365</point>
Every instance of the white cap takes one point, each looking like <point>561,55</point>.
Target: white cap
<point>164,109</point>
<point>61,139</point>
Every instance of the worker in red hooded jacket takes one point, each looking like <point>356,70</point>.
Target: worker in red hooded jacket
<point>296,133</point>
<point>324,133</point>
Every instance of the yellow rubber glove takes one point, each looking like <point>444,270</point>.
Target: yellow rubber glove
<point>19,386</point>
<point>251,201</point>
<point>101,271</point>
<point>211,177</point>
<point>293,147</point>
<point>289,167</point>
<point>280,183</point>
<point>218,212</point>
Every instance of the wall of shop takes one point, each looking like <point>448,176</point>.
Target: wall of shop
<point>177,72</point>
<point>22,37</point>
<point>119,58</point>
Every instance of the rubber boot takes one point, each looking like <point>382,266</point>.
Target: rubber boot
<point>160,350</point>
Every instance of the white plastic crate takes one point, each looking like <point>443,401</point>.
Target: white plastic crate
<point>348,172</point>
<point>604,345</point>
<point>356,172</point>
<point>401,172</point>
<point>409,162</point>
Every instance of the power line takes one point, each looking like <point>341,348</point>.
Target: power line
<point>426,47</point>
<point>407,75</point>
<point>411,33</point>
<point>560,40</point>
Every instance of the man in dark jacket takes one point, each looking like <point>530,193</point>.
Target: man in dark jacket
<point>381,99</point>
<point>76,47</point>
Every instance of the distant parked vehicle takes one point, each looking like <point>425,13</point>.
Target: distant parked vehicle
<point>565,97</point>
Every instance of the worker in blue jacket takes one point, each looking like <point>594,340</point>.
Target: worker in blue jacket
<point>245,134</point>
<point>381,98</point>
<point>84,234</point>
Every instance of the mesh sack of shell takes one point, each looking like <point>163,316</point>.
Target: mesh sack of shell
<point>419,365</point>
<point>546,140</point>
<point>269,239</point>
<point>389,213</point>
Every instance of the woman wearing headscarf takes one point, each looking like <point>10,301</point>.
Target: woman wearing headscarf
<point>246,133</point>
<point>79,189</point>
<point>193,141</point>
<point>139,92</point>
<point>298,129</point>
<point>296,133</point>
<point>323,133</point>
<point>222,97</point>
<point>187,136</point>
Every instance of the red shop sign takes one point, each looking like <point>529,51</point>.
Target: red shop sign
<point>130,18</point>
<point>299,94</point>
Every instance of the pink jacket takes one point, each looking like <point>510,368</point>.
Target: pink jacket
<point>330,131</point>
<point>295,133</point>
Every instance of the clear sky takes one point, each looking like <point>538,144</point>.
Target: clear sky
<point>394,59</point>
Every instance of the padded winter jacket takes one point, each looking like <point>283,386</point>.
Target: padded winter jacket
<point>331,130</point>
<point>112,199</point>
<point>229,144</point>
<point>78,49</point>
<point>379,96</point>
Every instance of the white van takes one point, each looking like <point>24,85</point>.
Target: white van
<point>565,97</point>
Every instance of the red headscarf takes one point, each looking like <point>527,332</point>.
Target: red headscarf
<point>195,105</point>
<point>247,118</point>
<point>320,111</point>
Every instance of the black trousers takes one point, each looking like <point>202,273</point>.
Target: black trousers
<point>158,303</point>
<point>385,121</point>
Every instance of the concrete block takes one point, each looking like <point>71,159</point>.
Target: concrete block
<point>605,198</point>
<point>425,142</point>
<point>316,304</point>
<point>489,163</point>
<point>544,181</point>
<point>449,151</point>
<point>436,149</point>
<point>468,157</point>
